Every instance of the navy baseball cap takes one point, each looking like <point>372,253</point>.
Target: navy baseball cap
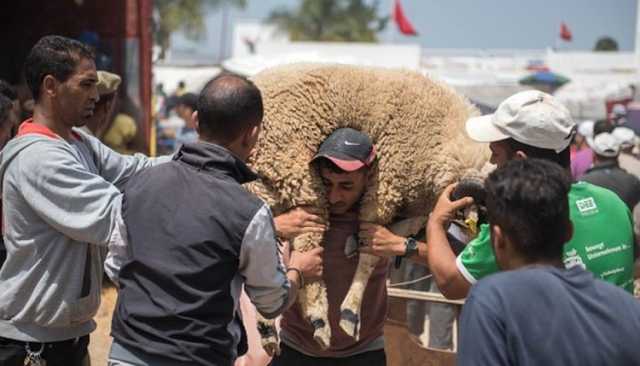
<point>347,148</point>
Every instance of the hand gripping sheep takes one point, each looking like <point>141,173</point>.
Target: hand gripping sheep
<point>416,125</point>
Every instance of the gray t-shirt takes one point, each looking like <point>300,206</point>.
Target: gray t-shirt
<point>548,316</point>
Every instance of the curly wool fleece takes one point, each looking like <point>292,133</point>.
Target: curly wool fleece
<point>417,125</point>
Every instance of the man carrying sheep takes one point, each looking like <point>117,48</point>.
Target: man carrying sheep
<point>344,161</point>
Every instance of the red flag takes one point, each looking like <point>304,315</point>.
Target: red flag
<point>565,33</point>
<point>401,20</point>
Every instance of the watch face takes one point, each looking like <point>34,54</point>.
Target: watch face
<point>411,246</point>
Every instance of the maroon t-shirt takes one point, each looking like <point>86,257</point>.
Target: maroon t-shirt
<point>338,274</point>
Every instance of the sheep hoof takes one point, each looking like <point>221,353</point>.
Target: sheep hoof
<point>272,349</point>
<point>350,323</point>
<point>321,333</point>
<point>269,337</point>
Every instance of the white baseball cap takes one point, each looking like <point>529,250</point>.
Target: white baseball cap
<point>585,128</point>
<point>605,144</point>
<point>531,117</point>
<point>624,135</point>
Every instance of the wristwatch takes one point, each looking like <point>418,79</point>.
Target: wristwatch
<point>410,247</point>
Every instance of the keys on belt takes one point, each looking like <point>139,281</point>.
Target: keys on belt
<point>34,357</point>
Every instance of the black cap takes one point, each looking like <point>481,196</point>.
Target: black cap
<point>347,148</point>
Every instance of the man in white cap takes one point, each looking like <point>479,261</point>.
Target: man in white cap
<point>606,171</point>
<point>532,124</point>
<point>628,141</point>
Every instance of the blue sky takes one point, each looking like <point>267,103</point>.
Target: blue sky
<point>500,23</point>
<point>481,24</point>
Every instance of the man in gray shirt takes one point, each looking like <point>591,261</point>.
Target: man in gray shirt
<point>60,194</point>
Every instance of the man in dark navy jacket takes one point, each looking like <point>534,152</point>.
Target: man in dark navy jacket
<point>195,237</point>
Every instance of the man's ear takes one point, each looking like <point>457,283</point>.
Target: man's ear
<point>50,86</point>
<point>520,155</point>
<point>196,120</point>
<point>498,239</point>
<point>249,137</point>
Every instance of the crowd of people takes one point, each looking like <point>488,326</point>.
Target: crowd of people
<point>548,279</point>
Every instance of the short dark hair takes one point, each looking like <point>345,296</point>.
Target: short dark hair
<point>190,100</point>
<point>6,105</point>
<point>528,200</point>
<point>562,158</point>
<point>7,90</point>
<point>227,106</point>
<point>602,126</point>
<point>53,55</point>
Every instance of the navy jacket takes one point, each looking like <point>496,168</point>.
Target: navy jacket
<point>195,236</point>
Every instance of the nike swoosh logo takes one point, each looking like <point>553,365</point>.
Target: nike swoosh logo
<point>351,143</point>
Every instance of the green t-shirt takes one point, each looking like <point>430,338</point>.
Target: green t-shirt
<point>602,239</point>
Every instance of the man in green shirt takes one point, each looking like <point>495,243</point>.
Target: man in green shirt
<point>531,124</point>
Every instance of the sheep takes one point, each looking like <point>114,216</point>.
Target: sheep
<point>416,126</point>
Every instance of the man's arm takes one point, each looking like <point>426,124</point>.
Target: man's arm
<point>635,219</point>
<point>380,241</point>
<point>297,221</point>
<point>442,260</point>
<point>442,263</point>
<point>118,251</point>
<point>117,168</point>
<point>305,268</point>
<point>64,194</point>
<point>271,288</point>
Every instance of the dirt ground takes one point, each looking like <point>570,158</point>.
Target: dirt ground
<point>400,350</point>
<point>100,338</point>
